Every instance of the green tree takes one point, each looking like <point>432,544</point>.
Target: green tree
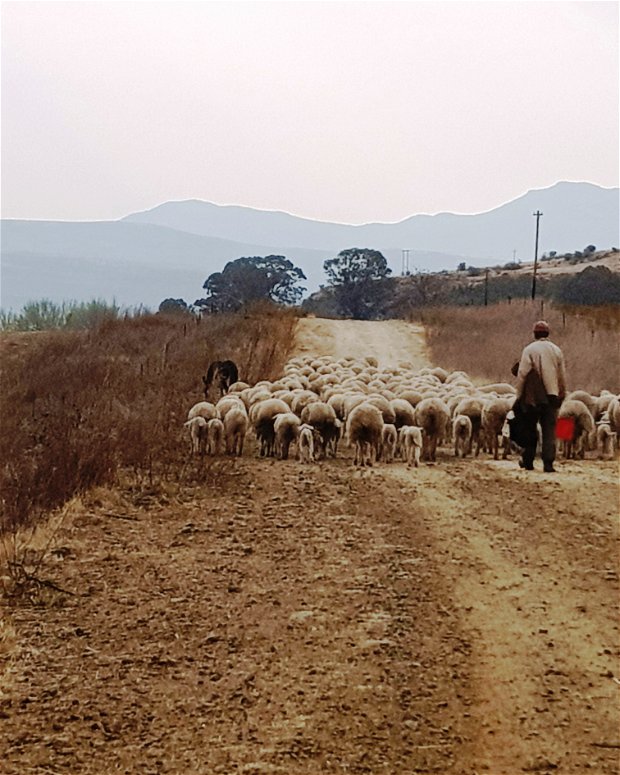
<point>252,279</point>
<point>358,277</point>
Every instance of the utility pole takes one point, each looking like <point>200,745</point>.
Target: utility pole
<point>536,215</point>
<point>486,287</point>
<point>405,266</point>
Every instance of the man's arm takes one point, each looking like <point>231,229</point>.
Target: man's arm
<point>525,366</point>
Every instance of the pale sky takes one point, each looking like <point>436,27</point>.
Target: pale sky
<point>341,111</point>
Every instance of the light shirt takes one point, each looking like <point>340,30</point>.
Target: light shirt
<point>547,360</point>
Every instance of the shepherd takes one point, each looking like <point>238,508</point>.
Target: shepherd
<point>541,388</point>
<point>221,374</point>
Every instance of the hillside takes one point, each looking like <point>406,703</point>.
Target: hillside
<point>170,251</point>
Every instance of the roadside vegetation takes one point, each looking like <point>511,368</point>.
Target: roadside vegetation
<point>78,407</point>
<point>486,341</point>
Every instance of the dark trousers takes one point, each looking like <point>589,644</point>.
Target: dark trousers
<point>544,415</point>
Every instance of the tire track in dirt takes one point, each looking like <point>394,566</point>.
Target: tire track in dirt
<point>533,567</point>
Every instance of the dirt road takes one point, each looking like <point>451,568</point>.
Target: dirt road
<point>458,618</point>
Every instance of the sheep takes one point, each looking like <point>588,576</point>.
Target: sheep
<point>235,430</point>
<point>461,432</point>
<point>411,441</point>
<point>389,439</point>
<point>492,422</point>
<point>286,428</point>
<point>583,431</point>
<point>323,418</point>
<point>472,408</point>
<point>433,416</point>
<point>364,430</point>
<point>302,399</point>
<point>605,437</point>
<point>263,416</point>
<point>226,403</point>
<point>198,434</point>
<point>613,410</point>
<point>305,443</point>
<point>404,413</point>
<point>203,409</point>
<point>215,436</point>
<point>584,397</point>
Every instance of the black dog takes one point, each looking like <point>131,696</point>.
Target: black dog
<point>222,374</point>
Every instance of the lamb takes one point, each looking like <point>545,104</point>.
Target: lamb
<point>364,430</point>
<point>433,416</point>
<point>198,434</point>
<point>286,428</point>
<point>584,428</point>
<point>461,432</point>
<point>389,439</point>
<point>411,441</point>
<point>305,443</point>
<point>215,436</point>
<point>472,408</point>
<point>235,430</point>
<point>605,437</point>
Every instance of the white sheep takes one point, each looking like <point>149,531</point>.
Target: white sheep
<point>305,443</point>
<point>411,441</point>
<point>605,437</point>
<point>389,440</point>
<point>364,430</point>
<point>472,408</point>
<point>433,416</point>
<point>235,430</point>
<point>492,423</point>
<point>461,433</point>
<point>584,432</point>
<point>263,415</point>
<point>322,417</point>
<point>203,409</point>
<point>215,436</point>
<point>198,434</point>
<point>286,428</point>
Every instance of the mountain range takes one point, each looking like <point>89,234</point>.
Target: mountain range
<point>170,250</point>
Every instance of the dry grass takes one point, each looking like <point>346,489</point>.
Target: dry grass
<point>78,407</point>
<point>486,341</point>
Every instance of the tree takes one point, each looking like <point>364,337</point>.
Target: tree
<point>594,285</point>
<point>173,307</point>
<point>251,279</point>
<point>358,277</point>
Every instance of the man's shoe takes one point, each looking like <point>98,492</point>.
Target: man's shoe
<point>526,466</point>
<point>548,468</point>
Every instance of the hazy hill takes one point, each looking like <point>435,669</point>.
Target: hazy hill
<point>169,251</point>
<point>574,215</point>
<point>132,263</point>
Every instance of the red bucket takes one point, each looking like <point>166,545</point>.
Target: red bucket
<point>565,428</point>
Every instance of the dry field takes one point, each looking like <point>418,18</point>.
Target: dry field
<point>268,617</point>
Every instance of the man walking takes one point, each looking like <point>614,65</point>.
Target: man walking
<point>541,387</point>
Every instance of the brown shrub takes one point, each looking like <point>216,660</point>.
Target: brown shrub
<point>486,341</point>
<point>77,406</point>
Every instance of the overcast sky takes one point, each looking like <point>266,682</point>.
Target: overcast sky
<point>342,111</point>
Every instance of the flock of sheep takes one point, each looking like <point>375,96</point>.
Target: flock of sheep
<point>383,413</point>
